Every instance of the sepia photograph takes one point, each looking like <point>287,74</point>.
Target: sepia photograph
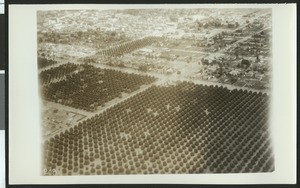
<point>155,91</point>
<point>151,94</point>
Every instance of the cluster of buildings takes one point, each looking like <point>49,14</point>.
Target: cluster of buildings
<point>222,37</point>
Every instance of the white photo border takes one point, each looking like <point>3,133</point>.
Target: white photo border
<point>24,114</point>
